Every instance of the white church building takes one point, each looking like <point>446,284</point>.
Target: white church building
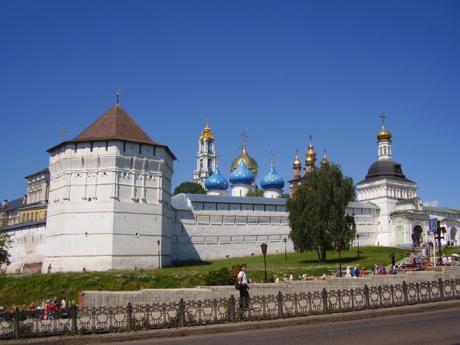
<point>110,205</point>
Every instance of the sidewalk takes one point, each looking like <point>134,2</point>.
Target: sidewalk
<point>232,327</point>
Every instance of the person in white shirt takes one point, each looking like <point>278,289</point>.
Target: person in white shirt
<point>243,287</point>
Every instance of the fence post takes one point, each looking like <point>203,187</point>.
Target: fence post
<point>441,288</point>
<point>231,308</point>
<point>404,287</point>
<point>16,323</point>
<point>279,298</point>
<point>181,313</point>
<point>129,312</point>
<point>73,315</point>
<point>367,303</point>
<point>325,301</point>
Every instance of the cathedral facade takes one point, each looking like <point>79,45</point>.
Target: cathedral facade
<point>108,203</point>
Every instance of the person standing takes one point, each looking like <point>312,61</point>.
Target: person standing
<point>243,283</point>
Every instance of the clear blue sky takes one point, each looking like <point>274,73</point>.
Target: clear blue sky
<point>277,69</point>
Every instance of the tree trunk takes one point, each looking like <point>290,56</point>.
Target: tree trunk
<point>319,254</point>
<point>322,254</point>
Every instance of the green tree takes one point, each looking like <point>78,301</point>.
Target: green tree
<point>317,212</point>
<point>5,242</point>
<point>258,193</point>
<point>189,187</point>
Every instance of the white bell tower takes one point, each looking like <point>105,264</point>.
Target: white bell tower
<point>206,157</point>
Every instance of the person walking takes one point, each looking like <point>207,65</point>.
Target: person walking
<point>243,284</point>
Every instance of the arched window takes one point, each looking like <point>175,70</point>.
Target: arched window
<point>385,150</point>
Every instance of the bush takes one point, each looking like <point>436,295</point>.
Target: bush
<point>219,277</point>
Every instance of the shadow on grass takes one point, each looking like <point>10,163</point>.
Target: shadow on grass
<point>334,260</point>
<point>189,263</point>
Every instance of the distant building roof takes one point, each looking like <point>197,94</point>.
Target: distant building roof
<point>182,201</point>
<point>12,205</point>
<point>362,204</point>
<point>114,124</point>
<point>43,171</point>
<point>21,226</point>
<point>441,209</point>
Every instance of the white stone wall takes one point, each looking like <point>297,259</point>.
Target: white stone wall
<point>28,246</point>
<point>219,230</point>
<point>109,205</point>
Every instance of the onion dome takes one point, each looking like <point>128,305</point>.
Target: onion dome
<point>272,180</point>
<point>206,134</point>
<point>242,174</point>
<point>216,181</point>
<point>384,135</point>
<point>310,156</point>
<point>297,164</point>
<point>250,162</point>
<point>325,160</point>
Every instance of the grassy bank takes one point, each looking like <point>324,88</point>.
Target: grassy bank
<point>25,289</point>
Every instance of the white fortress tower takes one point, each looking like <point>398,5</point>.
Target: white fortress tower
<point>109,199</point>
<point>206,157</point>
<point>385,186</point>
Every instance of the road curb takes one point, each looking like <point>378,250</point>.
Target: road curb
<point>233,327</point>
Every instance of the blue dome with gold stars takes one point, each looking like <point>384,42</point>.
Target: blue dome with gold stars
<point>272,180</point>
<point>216,181</point>
<point>242,175</point>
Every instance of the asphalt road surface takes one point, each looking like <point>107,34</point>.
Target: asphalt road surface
<point>432,328</point>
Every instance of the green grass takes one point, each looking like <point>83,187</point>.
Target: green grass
<point>21,289</point>
<point>449,250</point>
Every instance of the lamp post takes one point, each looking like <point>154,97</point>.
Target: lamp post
<point>285,251</point>
<point>357,239</point>
<point>159,254</point>
<point>264,246</point>
<point>338,248</point>
<point>440,231</point>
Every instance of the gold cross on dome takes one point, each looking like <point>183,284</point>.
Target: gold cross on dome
<point>383,117</point>
<point>244,137</point>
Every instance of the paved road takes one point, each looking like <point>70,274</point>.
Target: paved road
<point>433,328</point>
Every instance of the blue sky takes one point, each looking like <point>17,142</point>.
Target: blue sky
<point>278,69</point>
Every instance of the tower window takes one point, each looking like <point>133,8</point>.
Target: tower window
<point>154,150</point>
<point>140,149</point>
<point>124,146</point>
<point>91,147</point>
<point>106,145</point>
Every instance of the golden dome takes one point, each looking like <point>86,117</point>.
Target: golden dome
<point>297,164</point>
<point>310,156</point>
<point>206,134</point>
<point>248,160</point>
<point>325,160</point>
<point>384,135</point>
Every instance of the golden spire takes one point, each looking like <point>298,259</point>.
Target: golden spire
<point>310,156</point>
<point>325,160</point>
<point>206,134</point>
<point>297,164</point>
<point>383,134</point>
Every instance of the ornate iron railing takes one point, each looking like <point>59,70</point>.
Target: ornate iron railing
<point>72,320</point>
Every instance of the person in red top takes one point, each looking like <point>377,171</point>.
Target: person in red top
<point>51,310</point>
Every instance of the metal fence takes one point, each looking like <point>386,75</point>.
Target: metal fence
<point>72,320</point>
